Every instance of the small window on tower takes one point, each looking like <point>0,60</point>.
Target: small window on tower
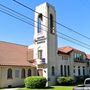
<point>39,23</point>
<point>39,54</point>
<point>52,29</point>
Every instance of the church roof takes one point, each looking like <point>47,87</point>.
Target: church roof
<point>14,54</point>
<point>88,56</point>
<point>68,49</point>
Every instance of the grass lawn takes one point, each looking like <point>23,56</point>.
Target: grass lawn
<point>51,88</point>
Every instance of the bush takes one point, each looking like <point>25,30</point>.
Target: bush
<point>80,79</point>
<point>65,81</point>
<point>35,82</point>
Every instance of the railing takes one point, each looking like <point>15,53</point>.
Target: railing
<point>39,61</point>
<point>80,60</point>
<point>42,61</point>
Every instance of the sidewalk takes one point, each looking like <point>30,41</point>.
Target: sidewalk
<point>9,89</point>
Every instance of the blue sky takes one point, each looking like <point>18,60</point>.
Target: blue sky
<point>72,13</point>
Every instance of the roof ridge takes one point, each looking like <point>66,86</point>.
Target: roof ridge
<point>13,43</point>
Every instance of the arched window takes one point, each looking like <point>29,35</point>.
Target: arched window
<point>65,70</point>
<point>23,73</point>
<point>61,70</point>
<point>29,72</point>
<point>53,71</point>
<point>79,73</point>
<point>51,24</point>
<point>9,73</point>
<point>39,23</point>
<point>68,70</point>
<point>83,70</point>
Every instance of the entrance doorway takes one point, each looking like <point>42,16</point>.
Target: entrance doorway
<point>40,72</point>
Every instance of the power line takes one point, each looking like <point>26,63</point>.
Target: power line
<point>14,16</point>
<point>74,39</point>
<point>20,14</point>
<point>44,30</point>
<point>53,20</point>
<point>41,24</point>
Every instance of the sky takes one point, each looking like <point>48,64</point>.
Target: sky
<point>74,14</point>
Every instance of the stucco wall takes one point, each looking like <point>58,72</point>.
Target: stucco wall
<point>62,62</point>
<point>73,65</point>
<point>14,81</point>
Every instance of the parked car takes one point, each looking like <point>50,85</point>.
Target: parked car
<point>85,87</point>
<point>87,82</point>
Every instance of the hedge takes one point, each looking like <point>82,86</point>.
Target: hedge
<point>65,81</point>
<point>80,79</point>
<point>35,82</point>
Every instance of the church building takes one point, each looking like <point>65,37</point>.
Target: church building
<point>43,58</point>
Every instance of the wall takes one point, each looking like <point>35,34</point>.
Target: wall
<point>14,81</point>
<point>62,62</point>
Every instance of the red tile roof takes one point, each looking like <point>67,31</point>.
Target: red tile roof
<point>68,49</point>
<point>88,56</point>
<point>13,54</point>
<point>65,49</point>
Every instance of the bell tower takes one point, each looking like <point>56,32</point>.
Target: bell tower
<point>45,42</point>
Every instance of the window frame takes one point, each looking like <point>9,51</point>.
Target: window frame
<point>40,54</point>
<point>40,18</point>
<point>29,72</point>
<point>23,73</point>
<point>52,29</point>
<point>53,70</point>
<point>9,73</point>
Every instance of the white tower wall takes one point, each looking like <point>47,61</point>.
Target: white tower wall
<point>46,41</point>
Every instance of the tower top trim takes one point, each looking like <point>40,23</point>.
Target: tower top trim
<point>46,4</point>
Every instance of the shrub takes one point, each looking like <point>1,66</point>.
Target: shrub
<point>35,82</point>
<point>65,81</point>
<point>80,79</point>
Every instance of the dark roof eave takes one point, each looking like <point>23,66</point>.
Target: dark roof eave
<point>18,65</point>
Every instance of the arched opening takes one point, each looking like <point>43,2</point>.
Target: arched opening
<point>53,71</point>
<point>23,73</point>
<point>39,23</point>
<point>79,73</point>
<point>52,30</point>
<point>29,72</point>
<point>9,73</point>
<point>64,70</point>
<point>68,70</point>
<point>61,70</point>
<point>83,70</point>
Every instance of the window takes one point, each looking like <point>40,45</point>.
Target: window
<point>74,70</point>
<point>61,70</point>
<point>23,73</point>
<point>64,57</point>
<point>83,70</point>
<point>29,72</point>
<point>87,82</point>
<point>53,71</point>
<point>79,73</point>
<point>17,73</point>
<point>79,56</point>
<point>39,54</point>
<point>39,23</point>
<point>87,64</point>
<point>52,30</point>
<point>9,73</point>
<point>65,70</point>
<point>68,70</point>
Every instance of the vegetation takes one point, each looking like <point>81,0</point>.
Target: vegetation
<point>35,82</point>
<point>66,81</point>
<point>80,79</point>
